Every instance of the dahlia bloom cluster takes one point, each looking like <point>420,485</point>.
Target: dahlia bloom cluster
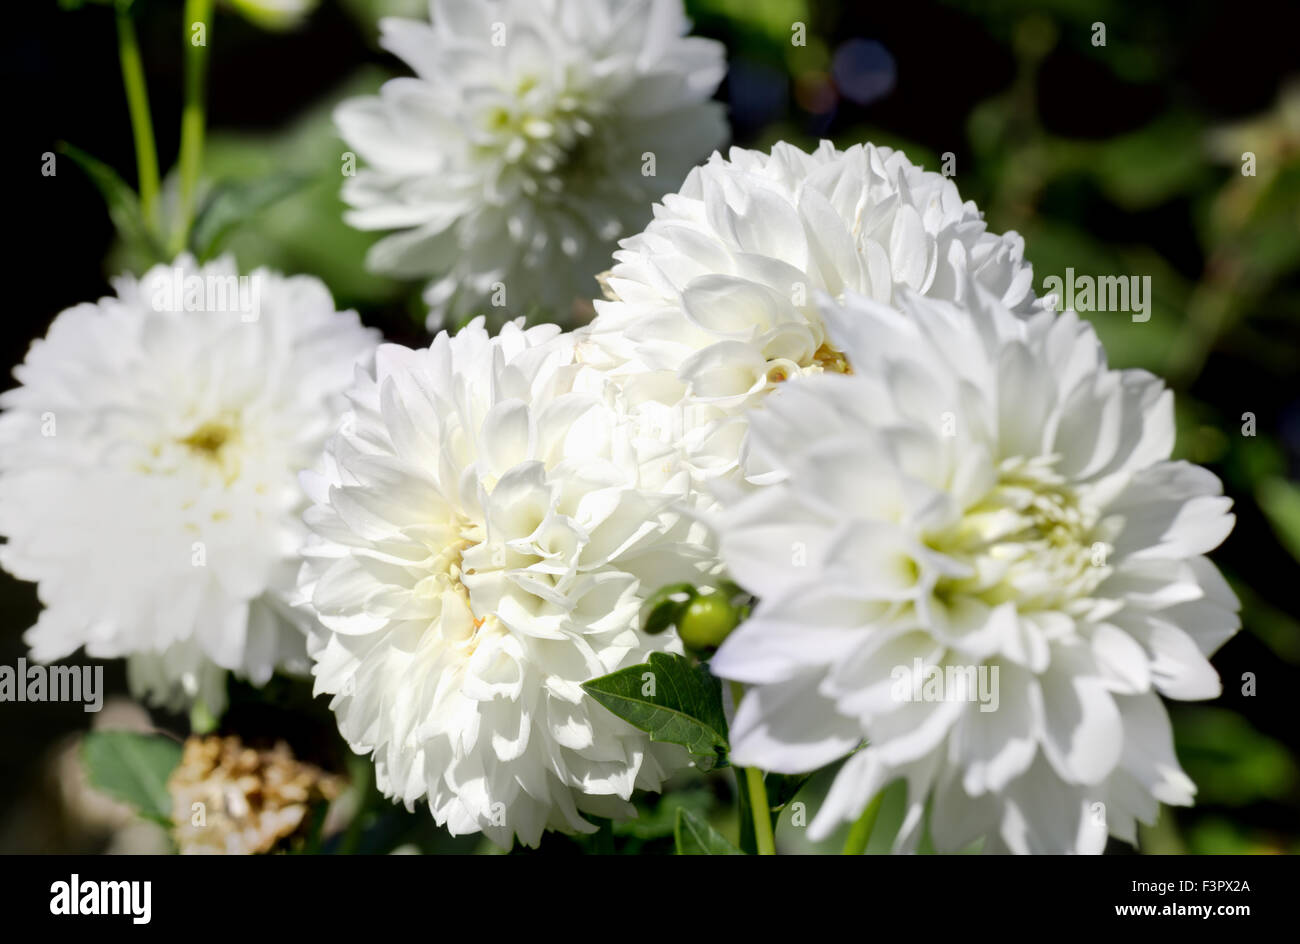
<point>917,465</point>
<point>815,376</point>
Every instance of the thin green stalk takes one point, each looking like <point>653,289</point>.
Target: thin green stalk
<point>193,115</point>
<point>760,809</point>
<point>856,844</point>
<point>137,103</point>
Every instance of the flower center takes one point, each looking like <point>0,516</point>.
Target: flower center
<point>541,138</point>
<point>825,359</point>
<point>214,443</point>
<point>1030,540</point>
<point>209,439</point>
<point>212,448</point>
<point>831,360</point>
<point>449,571</point>
<point>449,566</point>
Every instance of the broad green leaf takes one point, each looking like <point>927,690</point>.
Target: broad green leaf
<point>1149,166</point>
<point>782,788</point>
<point>233,203</point>
<point>1056,249</point>
<point>1280,502</point>
<point>305,232</point>
<point>123,204</point>
<point>696,837</point>
<point>657,812</point>
<point>673,700</point>
<point>1231,762</point>
<point>1271,625</point>
<point>1218,836</point>
<point>133,768</point>
<point>756,30</point>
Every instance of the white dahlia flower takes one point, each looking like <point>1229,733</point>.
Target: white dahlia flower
<point>148,465</point>
<point>978,559</point>
<point>489,520</point>
<point>534,134</point>
<point>715,302</point>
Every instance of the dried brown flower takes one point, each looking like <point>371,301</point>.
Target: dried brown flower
<point>231,799</point>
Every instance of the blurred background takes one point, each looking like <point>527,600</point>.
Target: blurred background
<point>1119,159</point>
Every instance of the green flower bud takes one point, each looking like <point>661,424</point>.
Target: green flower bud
<point>707,620</point>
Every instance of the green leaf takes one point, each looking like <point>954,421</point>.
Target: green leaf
<point>1151,165</point>
<point>1270,624</point>
<point>1057,248</point>
<point>1280,502</point>
<point>657,812</point>
<point>235,202</point>
<point>1231,762</point>
<point>1216,835</point>
<point>696,837</point>
<point>123,204</point>
<point>782,788</point>
<point>305,232</point>
<point>133,768</point>
<point>673,700</point>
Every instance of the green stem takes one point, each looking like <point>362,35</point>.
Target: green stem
<point>760,809</point>
<point>137,103</point>
<point>193,114</point>
<point>861,831</point>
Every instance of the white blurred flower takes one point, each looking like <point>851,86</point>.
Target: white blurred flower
<point>534,134</point>
<point>148,466</point>
<point>489,521</point>
<point>982,492</point>
<point>713,304</point>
